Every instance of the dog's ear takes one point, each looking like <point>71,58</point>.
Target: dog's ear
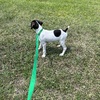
<point>40,22</point>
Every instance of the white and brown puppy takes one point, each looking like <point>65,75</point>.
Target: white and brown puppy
<point>49,35</point>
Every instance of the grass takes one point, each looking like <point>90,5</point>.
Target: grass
<point>76,76</point>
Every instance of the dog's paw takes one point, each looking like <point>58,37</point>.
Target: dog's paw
<point>61,54</point>
<point>43,56</point>
<point>58,46</point>
<point>39,49</point>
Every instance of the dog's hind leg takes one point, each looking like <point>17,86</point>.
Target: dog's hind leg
<point>62,43</point>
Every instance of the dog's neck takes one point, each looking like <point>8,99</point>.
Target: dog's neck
<point>39,28</point>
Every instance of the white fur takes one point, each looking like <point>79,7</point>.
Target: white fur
<point>48,36</point>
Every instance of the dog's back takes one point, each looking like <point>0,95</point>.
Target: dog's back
<point>53,35</point>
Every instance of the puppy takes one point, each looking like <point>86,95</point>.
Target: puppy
<point>49,35</point>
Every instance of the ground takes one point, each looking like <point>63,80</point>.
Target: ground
<point>76,75</point>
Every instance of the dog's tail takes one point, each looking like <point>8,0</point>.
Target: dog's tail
<point>66,29</point>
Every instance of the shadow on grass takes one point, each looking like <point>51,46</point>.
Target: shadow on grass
<point>53,55</point>
<point>56,50</point>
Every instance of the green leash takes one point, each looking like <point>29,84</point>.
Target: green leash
<point>33,77</point>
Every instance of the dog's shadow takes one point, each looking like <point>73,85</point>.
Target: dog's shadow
<point>53,53</point>
<point>56,50</point>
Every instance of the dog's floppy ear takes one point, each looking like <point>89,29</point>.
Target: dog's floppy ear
<point>40,22</point>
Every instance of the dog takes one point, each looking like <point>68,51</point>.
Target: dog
<point>49,35</point>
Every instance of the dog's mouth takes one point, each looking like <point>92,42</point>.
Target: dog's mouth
<point>31,27</point>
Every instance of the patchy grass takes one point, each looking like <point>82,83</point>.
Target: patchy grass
<point>75,76</point>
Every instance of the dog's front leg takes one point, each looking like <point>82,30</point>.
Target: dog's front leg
<point>44,50</point>
<point>40,46</point>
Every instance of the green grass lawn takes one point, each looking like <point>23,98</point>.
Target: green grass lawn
<point>76,75</point>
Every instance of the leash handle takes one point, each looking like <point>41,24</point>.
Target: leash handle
<point>33,77</point>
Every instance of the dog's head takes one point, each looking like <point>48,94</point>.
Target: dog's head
<point>35,24</point>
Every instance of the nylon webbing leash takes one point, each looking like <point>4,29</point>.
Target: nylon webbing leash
<point>33,77</point>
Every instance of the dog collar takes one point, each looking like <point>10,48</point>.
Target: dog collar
<point>40,31</point>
